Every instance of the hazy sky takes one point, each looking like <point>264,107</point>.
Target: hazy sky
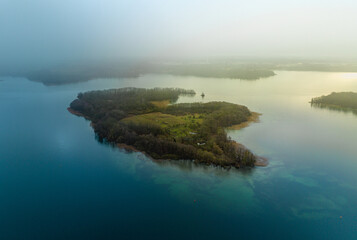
<point>44,31</point>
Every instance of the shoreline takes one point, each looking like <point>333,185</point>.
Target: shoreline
<point>254,118</point>
<point>260,161</point>
<point>74,112</point>
<point>128,148</point>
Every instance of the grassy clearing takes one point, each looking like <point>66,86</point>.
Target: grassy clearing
<point>161,104</point>
<point>176,126</point>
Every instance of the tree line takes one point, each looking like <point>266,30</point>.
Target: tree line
<point>208,143</point>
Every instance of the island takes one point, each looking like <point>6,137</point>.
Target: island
<point>342,101</point>
<point>150,121</point>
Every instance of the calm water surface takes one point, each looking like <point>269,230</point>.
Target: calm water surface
<point>58,182</point>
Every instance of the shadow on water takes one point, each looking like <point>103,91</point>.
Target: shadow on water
<point>190,166</point>
<point>182,165</point>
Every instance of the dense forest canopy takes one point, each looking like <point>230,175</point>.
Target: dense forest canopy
<point>194,131</point>
<point>341,100</point>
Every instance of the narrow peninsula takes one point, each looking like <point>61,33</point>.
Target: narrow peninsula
<point>150,121</point>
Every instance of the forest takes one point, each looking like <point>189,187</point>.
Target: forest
<point>214,70</point>
<point>81,72</point>
<point>343,101</point>
<point>244,69</point>
<point>150,121</point>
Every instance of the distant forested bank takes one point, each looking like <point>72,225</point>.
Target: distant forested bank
<point>214,70</point>
<point>147,120</point>
<point>80,73</point>
<point>233,69</point>
<point>343,101</point>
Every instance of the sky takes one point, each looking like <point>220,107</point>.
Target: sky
<point>41,32</point>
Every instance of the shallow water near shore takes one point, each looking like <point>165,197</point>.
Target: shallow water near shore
<point>58,182</point>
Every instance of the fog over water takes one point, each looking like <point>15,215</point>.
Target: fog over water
<point>38,33</point>
<point>60,180</point>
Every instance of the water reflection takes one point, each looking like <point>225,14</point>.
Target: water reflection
<point>182,165</point>
<point>333,108</point>
<point>189,166</point>
<point>302,146</point>
<point>310,181</point>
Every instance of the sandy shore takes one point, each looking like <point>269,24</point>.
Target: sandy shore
<point>254,118</point>
<point>261,162</point>
<point>128,147</point>
<point>74,112</point>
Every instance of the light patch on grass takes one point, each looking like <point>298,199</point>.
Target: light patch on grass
<point>161,104</point>
<point>177,126</point>
<point>155,118</point>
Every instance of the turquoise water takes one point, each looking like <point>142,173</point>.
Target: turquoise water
<point>58,182</point>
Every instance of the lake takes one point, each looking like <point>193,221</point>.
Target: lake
<point>57,181</point>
